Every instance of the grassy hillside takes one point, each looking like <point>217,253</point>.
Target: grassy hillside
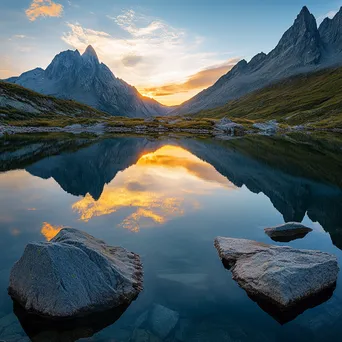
<point>314,99</point>
<point>18,103</point>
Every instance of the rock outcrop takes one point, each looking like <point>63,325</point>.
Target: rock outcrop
<point>287,232</point>
<point>83,78</point>
<point>226,126</point>
<point>269,127</point>
<point>284,276</point>
<point>74,275</point>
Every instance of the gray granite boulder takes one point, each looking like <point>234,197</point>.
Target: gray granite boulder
<point>282,275</point>
<point>269,127</point>
<point>227,126</point>
<point>74,275</point>
<point>287,232</point>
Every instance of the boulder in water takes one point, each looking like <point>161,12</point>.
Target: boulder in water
<point>287,232</point>
<point>74,275</point>
<point>282,275</point>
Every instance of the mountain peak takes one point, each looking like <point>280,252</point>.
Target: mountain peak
<point>331,32</point>
<point>307,17</point>
<point>301,42</point>
<point>304,11</point>
<point>90,53</point>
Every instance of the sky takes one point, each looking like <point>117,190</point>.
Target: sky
<point>168,50</point>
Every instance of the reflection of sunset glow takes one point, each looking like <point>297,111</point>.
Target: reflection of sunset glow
<point>50,231</point>
<point>161,186</point>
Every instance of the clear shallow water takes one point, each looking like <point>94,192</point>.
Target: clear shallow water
<point>167,199</point>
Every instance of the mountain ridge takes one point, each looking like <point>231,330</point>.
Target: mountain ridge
<point>312,99</point>
<point>303,48</point>
<point>85,79</point>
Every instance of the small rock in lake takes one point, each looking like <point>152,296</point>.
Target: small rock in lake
<point>74,275</point>
<point>282,275</point>
<point>287,232</point>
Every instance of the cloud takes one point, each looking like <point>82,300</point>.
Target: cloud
<point>50,231</point>
<point>131,60</point>
<point>44,8</point>
<point>200,80</point>
<point>152,28</point>
<point>161,186</point>
<point>330,15</point>
<point>146,52</point>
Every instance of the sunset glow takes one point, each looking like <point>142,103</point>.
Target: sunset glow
<point>161,186</point>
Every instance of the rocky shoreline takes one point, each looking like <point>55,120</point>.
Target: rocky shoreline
<point>223,129</point>
<point>98,129</point>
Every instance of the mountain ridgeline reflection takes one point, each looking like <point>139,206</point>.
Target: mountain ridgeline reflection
<point>158,180</point>
<point>158,187</point>
<point>167,199</point>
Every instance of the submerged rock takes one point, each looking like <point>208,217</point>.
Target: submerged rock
<point>159,320</point>
<point>287,232</point>
<point>163,320</point>
<point>282,275</point>
<point>74,275</point>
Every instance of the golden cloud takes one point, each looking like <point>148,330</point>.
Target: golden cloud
<point>201,79</point>
<point>153,55</point>
<point>43,8</point>
<point>195,167</point>
<point>50,231</point>
<point>159,187</point>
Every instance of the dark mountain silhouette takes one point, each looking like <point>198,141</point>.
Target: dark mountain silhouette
<point>83,78</point>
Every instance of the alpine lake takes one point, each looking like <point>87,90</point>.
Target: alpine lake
<point>167,199</point>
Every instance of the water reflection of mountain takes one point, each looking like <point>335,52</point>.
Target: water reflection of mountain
<point>293,196</point>
<point>298,178</point>
<point>89,169</point>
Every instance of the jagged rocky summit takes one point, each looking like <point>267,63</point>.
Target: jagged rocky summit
<point>284,276</point>
<point>83,78</point>
<point>74,275</point>
<point>303,48</point>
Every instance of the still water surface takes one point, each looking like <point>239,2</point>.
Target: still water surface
<point>167,199</point>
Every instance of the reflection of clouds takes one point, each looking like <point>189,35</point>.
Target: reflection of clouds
<point>135,186</point>
<point>50,231</point>
<point>161,186</point>
<point>15,231</point>
<point>196,168</point>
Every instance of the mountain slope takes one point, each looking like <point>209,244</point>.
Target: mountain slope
<point>302,49</point>
<point>314,98</point>
<point>17,102</point>
<point>83,78</point>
